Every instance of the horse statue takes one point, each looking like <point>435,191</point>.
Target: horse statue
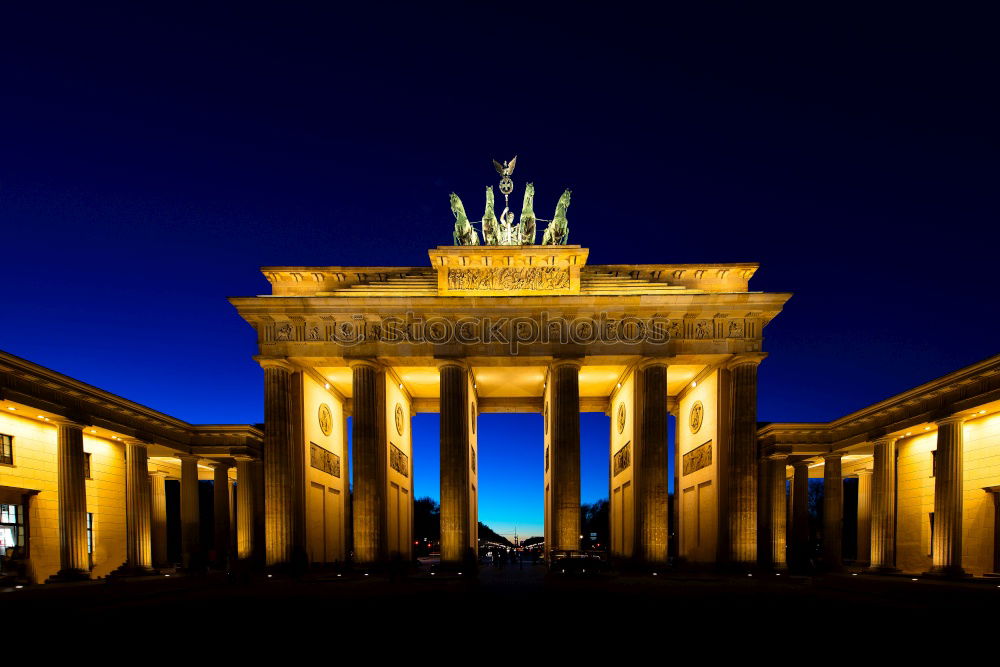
<point>526,230</point>
<point>491,226</point>
<point>464,233</point>
<point>557,231</point>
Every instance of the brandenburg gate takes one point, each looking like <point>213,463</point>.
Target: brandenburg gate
<point>509,327</point>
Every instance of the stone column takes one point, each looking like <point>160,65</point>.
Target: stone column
<point>455,538</point>
<point>741,490</point>
<point>833,512</point>
<point>995,492</point>
<point>259,515</point>
<point>191,556</point>
<point>651,463</point>
<point>74,562</point>
<point>138,509</point>
<point>800,516</point>
<point>220,490</point>
<point>864,553</point>
<point>946,553</point>
<point>369,445</point>
<point>564,454</point>
<point>158,519</point>
<point>883,541</point>
<point>245,505</point>
<point>777,502</point>
<point>279,472</point>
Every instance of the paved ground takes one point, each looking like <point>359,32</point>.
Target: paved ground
<point>500,606</point>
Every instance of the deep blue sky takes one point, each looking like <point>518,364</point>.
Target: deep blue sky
<point>151,159</point>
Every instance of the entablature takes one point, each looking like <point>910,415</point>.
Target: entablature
<point>973,390</point>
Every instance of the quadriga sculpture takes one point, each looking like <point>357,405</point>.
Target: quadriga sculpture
<point>557,231</point>
<point>491,226</point>
<point>464,234</point>
<point>527,227</point>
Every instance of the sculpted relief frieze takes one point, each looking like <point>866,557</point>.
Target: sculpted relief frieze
<point>511,331</point>
<point>509,278</point>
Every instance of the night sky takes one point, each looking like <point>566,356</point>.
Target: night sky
<point>153,158</point>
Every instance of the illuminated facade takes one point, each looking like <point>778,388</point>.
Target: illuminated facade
<point>512,329</point>
<point>927,464</point>
<point>92,484</point>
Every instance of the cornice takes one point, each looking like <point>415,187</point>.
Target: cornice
<point>932,401</point>
<point>24,382</point>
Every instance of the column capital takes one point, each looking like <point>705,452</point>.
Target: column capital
<point>777,457</point>
<point>646,362</point>
<point>956,418</point>
<point>364,362</point>
<point>59,420</point>
<point>244,458</point>
<point>574,362</point>
<point>452,361</point>
<point>833,455</point>
<point>275,362</point>
<point>158,473</point>
<point>867,472</point>
<point>801,463</point>
<point>885,440</point>
<point>225,465</point>
<point>744,359</point>
<point>183,456</point>
<point>137,443</point>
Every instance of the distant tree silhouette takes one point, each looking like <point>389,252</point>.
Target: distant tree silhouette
<point>595,520</point>
<point>426,519</point>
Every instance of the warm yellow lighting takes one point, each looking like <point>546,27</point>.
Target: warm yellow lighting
<point>41,416</point>
<point>12,408</point>
<point>93,430</point>
<point>982,412</point>
<point>326,386</point>
<point>694,384</point>
<point>927,428</point>
<point>619,385</point>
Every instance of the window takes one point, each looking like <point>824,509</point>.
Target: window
<point>7,449</point>
<point>11,529</point>
<point>86,465</point>
<point>90,538</point>
<point>12,542</point>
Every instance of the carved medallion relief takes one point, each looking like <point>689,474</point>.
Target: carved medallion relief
<point>325,419</point>
<point>696,416</point>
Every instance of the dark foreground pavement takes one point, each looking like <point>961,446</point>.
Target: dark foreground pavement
<point>673,611</point>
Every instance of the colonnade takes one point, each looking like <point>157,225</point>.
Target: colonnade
<point>456,397</point>
<point>876,507</point>
<point>146,509</point>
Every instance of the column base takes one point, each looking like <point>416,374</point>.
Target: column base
<point>65,576</point>
<point>946,573</point>
<point>127,571</point>
<point>882,569</point>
